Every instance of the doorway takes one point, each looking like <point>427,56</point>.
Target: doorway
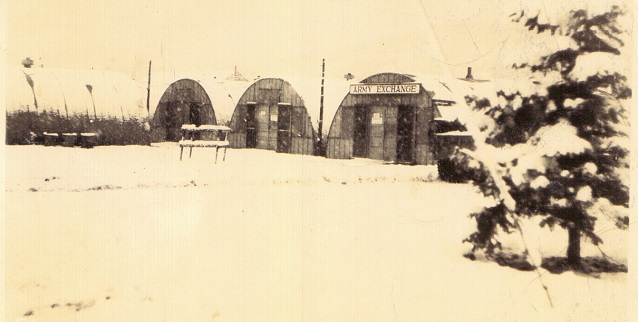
<point>405,134</point>
<point>194,115</point>
<point>251,126</point>
<point>283,128</point>
<point>360,138</point>
<point>172,122</point>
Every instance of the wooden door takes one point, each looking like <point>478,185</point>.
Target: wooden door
<point>194,115</point>
<point>405,134</point>
<point>360,139</point>
<point>376,131</point>
<point>251,126</point>
<point>262,115</point>
<point>284,128</point>
<point>172,122</point>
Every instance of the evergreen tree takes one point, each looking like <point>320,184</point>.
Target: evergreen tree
<point>556,144</point>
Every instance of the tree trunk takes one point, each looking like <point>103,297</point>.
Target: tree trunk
<point>573,248</point>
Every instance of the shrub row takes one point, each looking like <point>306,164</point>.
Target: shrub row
<point>26,127</point>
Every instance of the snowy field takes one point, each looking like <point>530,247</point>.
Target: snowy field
<point>133,234</point>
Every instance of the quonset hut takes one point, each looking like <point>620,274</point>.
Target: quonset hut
<point>206,100</point>
<point>271,115</point>
<point>183,102</point>
<point>70,100</point>
<point>395,117</point>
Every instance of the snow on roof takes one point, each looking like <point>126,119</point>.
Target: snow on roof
<point>448,89</point>
<point>66,90</point>
<point>454,133</point>
<point>309,88</point>
<point>224,94</point>
<point>454,91</point>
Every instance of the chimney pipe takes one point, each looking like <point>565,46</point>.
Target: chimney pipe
<point>469,73</point>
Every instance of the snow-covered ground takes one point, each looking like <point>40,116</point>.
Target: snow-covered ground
<point>133,234</point>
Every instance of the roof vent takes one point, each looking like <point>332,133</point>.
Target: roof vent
<point>469,73</point>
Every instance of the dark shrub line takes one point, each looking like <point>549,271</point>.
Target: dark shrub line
<point>26,127</point>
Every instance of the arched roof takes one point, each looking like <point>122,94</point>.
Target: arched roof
<point>115,95</point>
<point>444,88</point>
<point>223,94</point>
<point>309,89</point>
<point>289,90</point>
<point>184,82</point>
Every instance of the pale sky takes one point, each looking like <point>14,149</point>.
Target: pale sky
<point>270,38</point>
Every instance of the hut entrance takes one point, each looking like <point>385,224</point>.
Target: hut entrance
<point>251,126</point>
<point>194,114</point>
<point>361,139</point>
<point>172,122</point>
<point>271,115</point>
<point>405,134</point>
<point>283,127</point>
<point>183,102</point>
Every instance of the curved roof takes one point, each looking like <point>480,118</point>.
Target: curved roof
<point>309,89</point>
<point>224,94</point>
<point>66,90</point>
<point>449,90</point>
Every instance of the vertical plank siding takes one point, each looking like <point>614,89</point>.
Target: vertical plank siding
<point>302,146</point>
<point>268,93</point>
<point>383,137</point>
<point>390,139</point>
<point>339,148</point>
<point>179,96</point>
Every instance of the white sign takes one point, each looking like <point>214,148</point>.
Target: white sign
<point>385,88</point>
<point>274,117</point>
<point>376,118</point>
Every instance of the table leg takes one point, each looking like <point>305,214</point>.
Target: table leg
<point>191,153</point>
<point>216,153</point>
<point>181,151</point>
<point>224,154</point>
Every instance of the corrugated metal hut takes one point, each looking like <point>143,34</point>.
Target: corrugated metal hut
<point>69,100</point>
<point>272,115</point>
<point>393,117</point>
<point>203,99</point>
<point>183,102</point>
<point>69,92</point>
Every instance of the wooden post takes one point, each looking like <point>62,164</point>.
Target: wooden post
<point>90,88</point>
<point>320,145</point>
<point>323,69</point>
<point>148,89</point>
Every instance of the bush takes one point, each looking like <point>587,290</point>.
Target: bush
<point>26,127</point>
<point>449,172</point>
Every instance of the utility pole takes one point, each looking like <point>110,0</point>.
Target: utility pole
<point>323,71</point>
<point>148,89</point>
<point>90,88</point>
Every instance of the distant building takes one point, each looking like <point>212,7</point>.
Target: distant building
<point>396,117</point>
<point>271,115</point>
<point>183,102</point>
<point>236,76</point>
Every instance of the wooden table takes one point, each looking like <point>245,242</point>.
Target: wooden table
<point>214,136</point>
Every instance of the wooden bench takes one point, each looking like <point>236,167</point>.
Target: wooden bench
<point>89,139</point>
<point>50,139</point>
<point>214,136</point>
<point>69,139</point>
